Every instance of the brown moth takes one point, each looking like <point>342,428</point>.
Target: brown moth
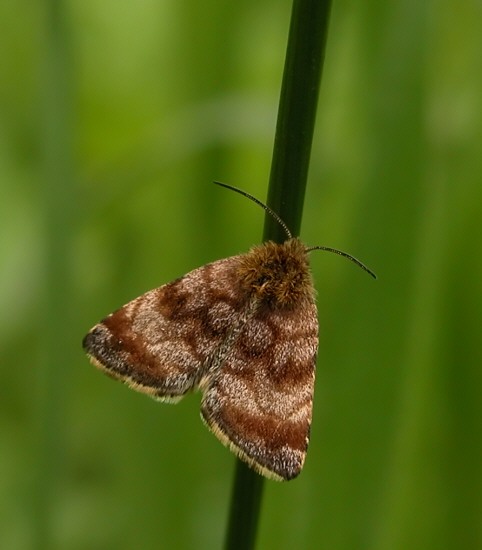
<point>244,331</point>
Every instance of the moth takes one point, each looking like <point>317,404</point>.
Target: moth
<point>244,331</point>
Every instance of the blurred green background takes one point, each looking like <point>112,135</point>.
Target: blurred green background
<point>114,119</point>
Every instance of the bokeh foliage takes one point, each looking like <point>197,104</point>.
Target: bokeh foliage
<point>114,119</point>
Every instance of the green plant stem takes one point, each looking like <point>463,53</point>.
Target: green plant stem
<point>297,115</point>
<point>245,506</point>
<point>289,171</point>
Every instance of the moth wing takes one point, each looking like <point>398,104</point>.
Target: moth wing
<point>160,342</point>
<point>259,403</point>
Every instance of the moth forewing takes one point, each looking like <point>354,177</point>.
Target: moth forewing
<point>161,342</point>
<point>260,405</point>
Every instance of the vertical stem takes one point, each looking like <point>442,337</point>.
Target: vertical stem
<point>297,114</point>
<point>245,507</point>
<point>289,170</point>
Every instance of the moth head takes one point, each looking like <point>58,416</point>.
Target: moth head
<point>278,274</point>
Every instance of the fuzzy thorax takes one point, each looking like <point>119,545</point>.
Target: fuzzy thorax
<point>278,274</point>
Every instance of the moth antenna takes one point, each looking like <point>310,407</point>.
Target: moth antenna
<point>265,207</point>
<point>345,255</point>
<point>275,216</point>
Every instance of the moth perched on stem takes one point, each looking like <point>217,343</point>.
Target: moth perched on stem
<point>243,330</point>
